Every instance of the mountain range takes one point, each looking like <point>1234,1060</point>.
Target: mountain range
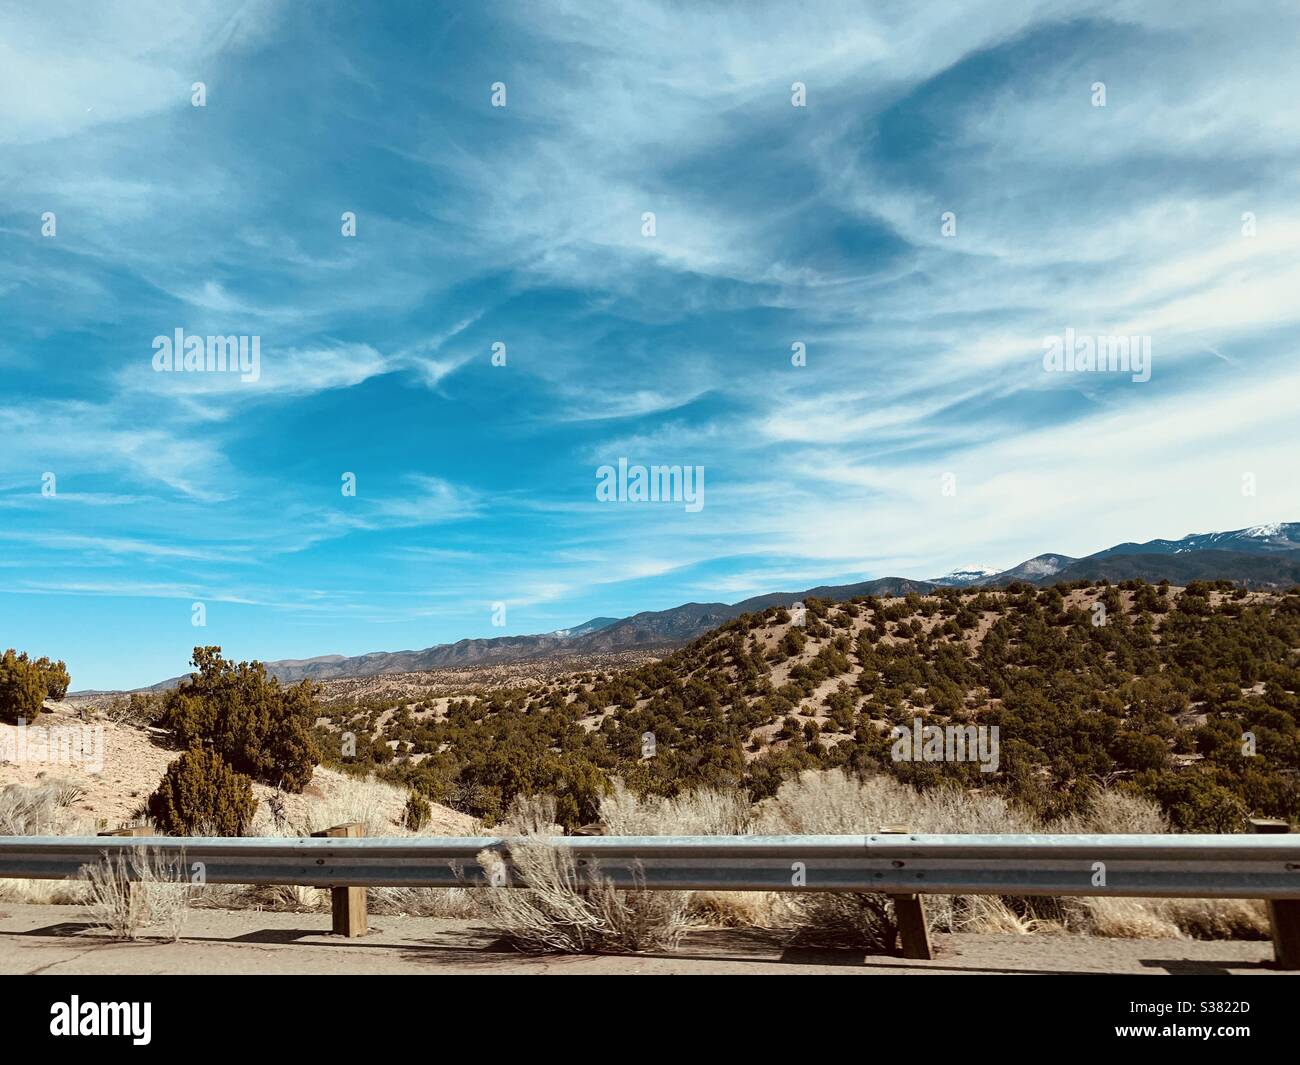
<point>1262,556</point>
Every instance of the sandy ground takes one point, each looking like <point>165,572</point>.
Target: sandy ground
<point>133,762</point>
<point>57,939</point>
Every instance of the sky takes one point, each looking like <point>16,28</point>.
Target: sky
<point>815,250</point>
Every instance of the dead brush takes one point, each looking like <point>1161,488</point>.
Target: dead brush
<point>29,811</point>
<point>564,911</point>
<point>446,903</point>
<point>848,920</point>
<point>137,888</point>
<point>831,802</point>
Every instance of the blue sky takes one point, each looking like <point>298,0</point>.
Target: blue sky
<point>523,225</point>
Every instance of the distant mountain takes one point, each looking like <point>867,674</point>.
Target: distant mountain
<point>1262,556</point>
<point>649,630</point>
<point>1258,539</point>
<point>1041,569</point>
<point>593,625</point>
<point>1254,570</point>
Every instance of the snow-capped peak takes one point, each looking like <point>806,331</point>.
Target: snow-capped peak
<point>1264,532</point>
<point>966,575</point>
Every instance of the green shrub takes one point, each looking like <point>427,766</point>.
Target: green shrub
<point>201,795</point>
<point>417,813</point>
<point>55,678</point>
<point>1194,802</point>
<point>25,685</point>
<point>21,690</point>
<point>257,726</point>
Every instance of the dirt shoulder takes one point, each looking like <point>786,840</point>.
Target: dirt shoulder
<point>57,939</point>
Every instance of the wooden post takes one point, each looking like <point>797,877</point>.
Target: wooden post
<point>1283,914</point>
<point>909,910</point>
<point>348,904</point>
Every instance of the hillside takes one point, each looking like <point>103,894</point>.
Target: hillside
<point>1157,698</point>
<point>135,757</point>
<point>1251,569</point>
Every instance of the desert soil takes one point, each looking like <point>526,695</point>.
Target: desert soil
<point>58,939</point>
<point>134,760</point>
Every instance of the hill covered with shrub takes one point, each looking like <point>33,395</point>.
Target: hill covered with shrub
<point>1186,695</point>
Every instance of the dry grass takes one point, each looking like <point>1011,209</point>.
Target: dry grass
<point>453,904</point>
<point>705,812</point>
<point>991,915</point>
<point>29,811</point>
<point>1119,812</point>
<point>531,815</point>
<point>1126,918</point>
<point>376,806</point>
<point>1115,813</point>
<point>855,920</point>
<point>565,911</point>
<point>834,803</point>
<point>42,810</point>
<point>43,892</point>
<point>367,802</point>
<point>136,889</point>
<point>739,909</point>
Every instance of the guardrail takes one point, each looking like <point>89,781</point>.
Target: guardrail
<point>904,865</point>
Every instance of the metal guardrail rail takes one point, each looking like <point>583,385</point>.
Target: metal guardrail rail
<point>1186,866</point>
<point>903,865</point>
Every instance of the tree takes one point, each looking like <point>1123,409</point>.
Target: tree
<point>254,724</point>
<point>1194,802</point>
<point>25,685</point>
<point>201,795</point>
<point>55,678</point>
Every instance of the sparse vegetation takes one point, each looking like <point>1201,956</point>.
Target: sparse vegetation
<point>135,889</point>
<point>563,911</point>
<point>33,811</point>
<point>1185,696</point>
<point>418,812</point>
<point>1179,713</point>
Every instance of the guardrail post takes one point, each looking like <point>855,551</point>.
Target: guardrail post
<point>1283,914</point>
<point>348,904</point>
<point>909,911</point>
